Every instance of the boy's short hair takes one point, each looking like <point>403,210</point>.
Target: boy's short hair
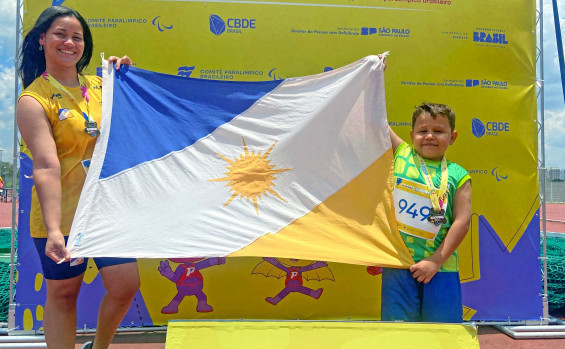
<point>434,109</point>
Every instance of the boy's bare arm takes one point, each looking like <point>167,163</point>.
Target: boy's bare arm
<point>394,139</point>
<point>424,270</point>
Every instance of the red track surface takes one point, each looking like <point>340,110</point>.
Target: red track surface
<point>6,214</point>
<point>555,212</point>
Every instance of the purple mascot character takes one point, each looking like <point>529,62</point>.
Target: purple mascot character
<point>294,271</point>
<point>189,281</point>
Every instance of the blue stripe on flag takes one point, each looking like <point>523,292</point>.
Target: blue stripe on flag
<point>162,113</point>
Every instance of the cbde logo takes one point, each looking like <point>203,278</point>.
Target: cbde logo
<point>234,25</point>
<point>492,128</point>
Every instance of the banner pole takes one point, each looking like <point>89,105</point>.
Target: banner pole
<point>15,152</point>
<point>559,43</point>
<point>542,164</point>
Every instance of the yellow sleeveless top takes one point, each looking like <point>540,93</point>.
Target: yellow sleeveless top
<point>73,144</point>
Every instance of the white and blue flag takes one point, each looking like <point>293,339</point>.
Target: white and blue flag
<point>296,168</point>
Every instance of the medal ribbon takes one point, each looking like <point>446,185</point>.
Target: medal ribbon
<point>435,194</point>
<point>69,95</point>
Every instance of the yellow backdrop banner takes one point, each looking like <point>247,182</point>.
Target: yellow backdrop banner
<point>476,56</point>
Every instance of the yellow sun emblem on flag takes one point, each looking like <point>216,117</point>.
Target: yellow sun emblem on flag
<point>250,176</point>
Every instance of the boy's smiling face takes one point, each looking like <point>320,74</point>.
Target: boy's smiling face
<point>431,137</point>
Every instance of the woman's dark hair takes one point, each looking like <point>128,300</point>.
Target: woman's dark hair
<point>32,60</point>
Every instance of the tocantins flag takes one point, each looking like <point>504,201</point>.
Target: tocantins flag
<point>296,168</point>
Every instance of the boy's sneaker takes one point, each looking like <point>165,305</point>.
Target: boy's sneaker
<point>87,345</point>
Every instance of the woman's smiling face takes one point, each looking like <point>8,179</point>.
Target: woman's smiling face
<point>63,43</point>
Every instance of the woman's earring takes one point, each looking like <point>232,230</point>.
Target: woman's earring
<point>40,47</point>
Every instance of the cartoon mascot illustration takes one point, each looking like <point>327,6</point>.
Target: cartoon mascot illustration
<point>374,270</point>
<point>189,281</point>
<point>295,270</point>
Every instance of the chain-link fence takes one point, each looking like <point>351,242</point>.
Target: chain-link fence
<point>554,192</point>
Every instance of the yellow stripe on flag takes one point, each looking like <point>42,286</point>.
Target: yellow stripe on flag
<point>361,214</point>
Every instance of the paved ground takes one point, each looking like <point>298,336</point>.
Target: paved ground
<point>489,337</point>
<point>141,340</point>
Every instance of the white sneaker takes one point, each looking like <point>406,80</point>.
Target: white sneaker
<point>87,345</point>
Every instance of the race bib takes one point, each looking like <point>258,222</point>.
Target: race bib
<point>412,207</point>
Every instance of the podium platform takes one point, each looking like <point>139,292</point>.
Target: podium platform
<point>317,334</point>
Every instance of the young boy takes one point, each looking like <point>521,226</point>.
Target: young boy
<point>432,198</point>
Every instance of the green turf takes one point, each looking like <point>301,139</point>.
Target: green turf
<point>556,275</point>
<point>5,241</point>
<point>4,290</point>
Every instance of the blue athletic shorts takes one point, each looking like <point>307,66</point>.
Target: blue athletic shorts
<point>64,271</point>
<point>404,298</point>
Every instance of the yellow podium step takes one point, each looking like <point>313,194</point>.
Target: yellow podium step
<point>317,334</point>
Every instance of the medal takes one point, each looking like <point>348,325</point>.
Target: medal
<point>91,128</point>
<point>437,217</point>
<point>437,196</point>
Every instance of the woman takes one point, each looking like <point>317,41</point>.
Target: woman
<point>58,116</point>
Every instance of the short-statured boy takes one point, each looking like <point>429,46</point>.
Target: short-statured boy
<point>432,198</point>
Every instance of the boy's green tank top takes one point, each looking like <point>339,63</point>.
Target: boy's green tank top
<point>406,167</point>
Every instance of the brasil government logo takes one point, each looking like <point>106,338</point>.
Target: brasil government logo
<point>493,38</point>
<point>490,37</point>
